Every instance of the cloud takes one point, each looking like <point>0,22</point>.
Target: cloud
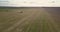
<point>30,3</point>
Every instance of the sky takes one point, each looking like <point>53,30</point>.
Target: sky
<point>30,3</point>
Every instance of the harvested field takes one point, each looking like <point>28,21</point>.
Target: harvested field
<point>32,19</point>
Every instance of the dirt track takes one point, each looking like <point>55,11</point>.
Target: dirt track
<point>31,20</point>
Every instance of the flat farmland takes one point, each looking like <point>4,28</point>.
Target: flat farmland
<point>29,19</point>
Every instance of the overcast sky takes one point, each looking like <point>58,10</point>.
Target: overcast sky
<point>19,3</point>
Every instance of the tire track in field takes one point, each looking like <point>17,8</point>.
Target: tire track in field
<point>33,23</point>
<point>43,22</point>
<point>51,24</point>
<point>30,19</point>
<point>18,23</point>
<point>38,29</point>
<point>45,27</point>
<point>50,29</point>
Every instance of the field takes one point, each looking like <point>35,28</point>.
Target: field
<point>30,20</point>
